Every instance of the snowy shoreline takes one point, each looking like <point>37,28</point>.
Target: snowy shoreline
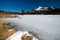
<point>47,27</point>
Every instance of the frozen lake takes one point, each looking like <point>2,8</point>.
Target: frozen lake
<point>44,27</point>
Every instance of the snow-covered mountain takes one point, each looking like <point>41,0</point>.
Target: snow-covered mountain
<point>41,8</point>
<point>44,8</point>
<point>45,11</point>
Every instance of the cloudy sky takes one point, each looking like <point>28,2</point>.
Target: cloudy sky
<point>18,5</point>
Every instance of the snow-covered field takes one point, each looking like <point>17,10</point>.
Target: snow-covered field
<point>44,27</point>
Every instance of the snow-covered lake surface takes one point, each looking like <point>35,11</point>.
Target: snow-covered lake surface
<point>44,27</point>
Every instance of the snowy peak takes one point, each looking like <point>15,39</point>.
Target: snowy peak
<point>44,8</point>
<point>41,8</point>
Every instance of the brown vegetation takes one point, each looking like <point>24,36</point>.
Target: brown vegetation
<point>8,15</point>
<point>4,14</point>
<point>24,37</point>
<point>4,33</point>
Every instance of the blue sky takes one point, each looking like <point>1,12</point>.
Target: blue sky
<point>18,5</point>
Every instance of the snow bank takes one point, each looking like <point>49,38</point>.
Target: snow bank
<point>18,35</point>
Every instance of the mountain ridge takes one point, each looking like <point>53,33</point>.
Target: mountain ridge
<point>40,10</point>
